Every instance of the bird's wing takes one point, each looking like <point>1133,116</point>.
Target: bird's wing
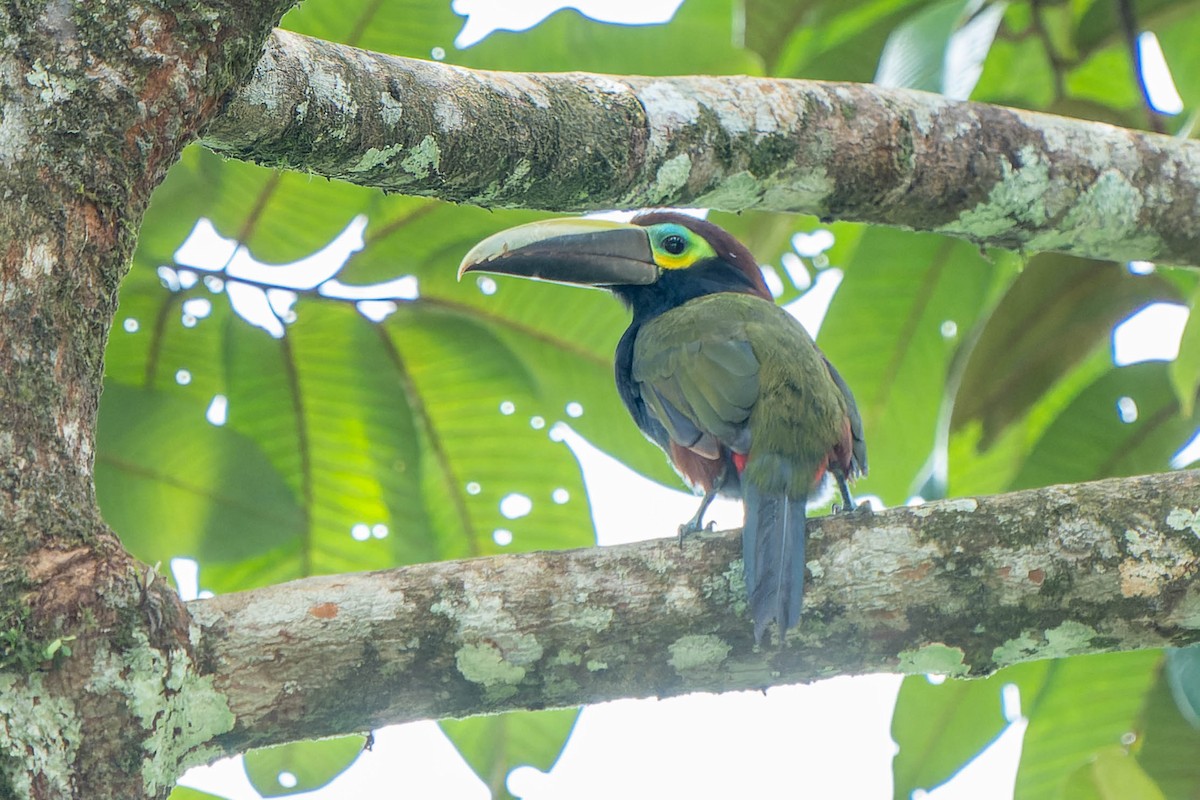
<point>698,382</point>
<point>858,443</point>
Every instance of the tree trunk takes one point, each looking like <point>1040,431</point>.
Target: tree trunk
<point>96,102</point>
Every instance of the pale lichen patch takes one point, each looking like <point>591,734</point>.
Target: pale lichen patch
<point>331,88</point>
<point>391,109</point>
<point>936,658</point>
<point>483,664</point>
<point>267,88</point>
<point>179,710</point>
<point>1068,639</point>
<point>52,87</point>
<point>697,651</point>
<point>1105,216</point>
<point>1017,200</point>
<point>1084,538</point>
<point>681,595</point>
<point>672,176</point>
<point>49,736</point>
<point>1154,561</point>
<point>566,658</point>
<point>734,193</point>
<point>1182,519</point>
<point>423,158</point>
<point>592,618</point>
<point>447,115</point>
<point>1015,650</point>
<point>959,505</point>
<point>667,107</point>
<point>374,157</point>
<point>799,192</point>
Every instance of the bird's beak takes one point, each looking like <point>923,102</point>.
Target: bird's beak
<point>585,252</point>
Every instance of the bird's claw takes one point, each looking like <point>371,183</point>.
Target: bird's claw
<point>863,508</point>
<point>694,526</point>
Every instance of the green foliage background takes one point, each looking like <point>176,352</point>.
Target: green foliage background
<point>395,429</point>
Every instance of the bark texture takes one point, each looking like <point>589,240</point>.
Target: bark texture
<point>96,102</point>
<point>959,587</point>
<point>576,142</point>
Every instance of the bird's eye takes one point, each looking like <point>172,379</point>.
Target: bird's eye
<point>674,244</point>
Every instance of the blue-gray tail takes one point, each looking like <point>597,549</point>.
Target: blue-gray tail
<point>773,552</point>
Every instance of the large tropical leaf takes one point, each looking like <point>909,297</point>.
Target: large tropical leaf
<point>1082,707</point>
<point>940,727</point>
<point>301,766</point>
<point>1167,743</point>
<point>1056,313</point>
<point>895,325</point>
<point>1126,423</point>
<point>494,746</point>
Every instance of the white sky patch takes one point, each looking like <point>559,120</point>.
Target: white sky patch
<point>1187,454</point>
<point>515,506</point>
<point>810,307</point>
<point>404,288</point>
<point>218,410</point>
<point>1151,334</point>
<point>487,16</point>
<point>797,271</point>
<point>186,573</point>
<point>1160,86</point>
<point>812,244</point>
<point>772,279</point>
<point>198,307</point>
<point>967,49</point>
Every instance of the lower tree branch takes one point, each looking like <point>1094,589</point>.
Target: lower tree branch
<point>996,176</point>
<point>961,587</point>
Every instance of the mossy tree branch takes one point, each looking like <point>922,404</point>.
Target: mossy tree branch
<point>575,142</point>
<point>961,587</point>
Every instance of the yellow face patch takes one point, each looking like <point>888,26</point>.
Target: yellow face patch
<point>676,247</point>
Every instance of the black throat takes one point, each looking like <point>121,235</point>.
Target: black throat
<point>675,287</point>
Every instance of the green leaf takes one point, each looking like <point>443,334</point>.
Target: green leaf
<point>976,467</point>
<point>1017,73</point>
<point>893,330</point>
<point>1089,440</point>
<point>1183,676</point>
<point>564,337</point>
<point>188,793</point>
<point>160,466</point>
<point>940,727</point>
<point>567,40</point>
<point>826,41</point>
<point>1178,36</point>
<point>1185,369</point>
<point>1106,78</point>
<point>1057,311</point>
<point>496,745</point>
<point>402,27</point>
<point>310,764</point>
<point>1112,774</point>
<point>1167,743</point>
<point>940,48</point>
<point>1084,705</point>
<point>378,427</point>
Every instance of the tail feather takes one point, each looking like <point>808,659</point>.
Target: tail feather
<point>773,552</point>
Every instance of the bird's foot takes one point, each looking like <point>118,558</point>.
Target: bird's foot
<point>694,525</point>
<point>863,508</point>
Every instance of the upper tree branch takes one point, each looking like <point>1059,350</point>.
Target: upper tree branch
<point>961,587</point>
<point>993,175</point>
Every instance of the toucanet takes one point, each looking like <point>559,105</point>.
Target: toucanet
<point>727,383</point>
